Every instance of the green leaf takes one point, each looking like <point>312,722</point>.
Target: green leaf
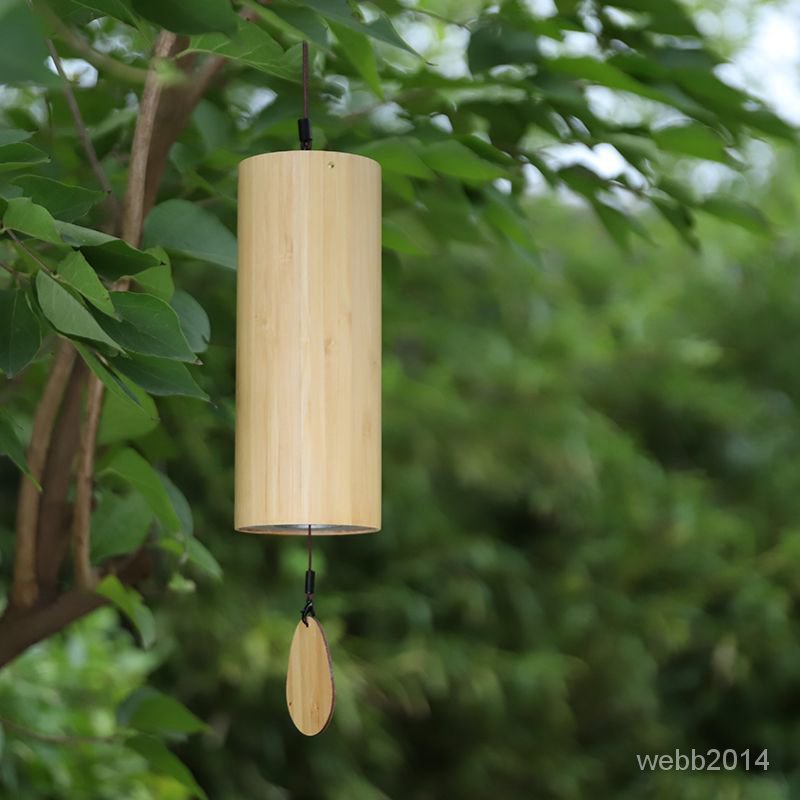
<point>116,259</point>
<point>147,325</point>
<point>692,139</point>
<point>23,51</point>
<point>681,219</point>
<point>27,217</point>
<point>78,236</point>
<point>188,230</point>
<point>157,281</point>
<point>194,320</point>
<point>119,525</point>
<point>76,272</point>
<point>448,214</point>
<point>487,151</point>
<point>13,135</point>
<point>180,504</point>
<point>357,48</point>
<point>401,185</point>
<point>195,552</point>
<point>581,179</point>
<point>499,43</point>
<point>455,159</point>
<point>150,711</point>
<point>163,762</point>
<point>160,376</point>
<point>194,16</point>
<point>341,11</point>
<point>635,149</point>
<point>501,212</point>
<point>684,194</point>
<point>615,222</point>
<point>116,385</point>
<point>16,155</point>
<point>122,420</point>
<point>133,469</point>
<point>399,154</point>
<point>302,23</point>
<point>107,254</point>
<point>62,201</point>
<point>180,585</point>
<point>11,446</point>
<point>121,9</point>
<point>20,332</point>
<point>213,124</point>
<point>404,233</point>
<point>600,72</point>
<point>664,16</point>
<point>130,603</point>
<point>762,119</point>
<point>67,314</point>
<point>745,215</point>
<point>201,557</point>
<point>253,47</point>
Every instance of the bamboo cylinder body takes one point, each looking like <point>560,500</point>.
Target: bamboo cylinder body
<point>308,349</point>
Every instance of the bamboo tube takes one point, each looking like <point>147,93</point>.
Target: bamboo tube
<point>308,350</point>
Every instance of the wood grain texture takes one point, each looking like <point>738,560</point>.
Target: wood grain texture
<point>308,351</point>
<point>310,691</point>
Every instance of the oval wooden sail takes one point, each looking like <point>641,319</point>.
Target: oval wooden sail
<point>310,693</point>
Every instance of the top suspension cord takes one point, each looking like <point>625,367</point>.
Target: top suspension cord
<point>304,124</point>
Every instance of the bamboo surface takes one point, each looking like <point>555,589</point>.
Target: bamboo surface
<point>310,692</point>
<point>308,366</point>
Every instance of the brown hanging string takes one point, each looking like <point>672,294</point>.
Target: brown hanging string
<point>308,608</point>
<point>304,124</point>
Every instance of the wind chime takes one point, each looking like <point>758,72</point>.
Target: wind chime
<point>308,369</point>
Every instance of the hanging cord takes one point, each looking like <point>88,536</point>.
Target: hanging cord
<point>304,124</point>
<point>304,132</point>
<point>308,608</point>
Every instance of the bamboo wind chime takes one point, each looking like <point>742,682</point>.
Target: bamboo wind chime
<point>308,369</point>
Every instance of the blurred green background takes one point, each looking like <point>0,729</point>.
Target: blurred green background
<point>591,488</point>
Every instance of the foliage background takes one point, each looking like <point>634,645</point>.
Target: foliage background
<point>590,414</point>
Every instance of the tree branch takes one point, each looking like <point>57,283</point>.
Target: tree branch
<point>23,628</point>
<point>132,219</point>
<point>124,72</point>
<point>133,212</point>
<point>162,116</point>
<point>24,623</point>
<point>25,249</point>
<point>83,133</point>
<point>84,483</point>
<point>19,632</point>
<point>17,275</point>
<point>173,115</point>
<point>50,738</point>
<point>25,590</point>
<point>52,544</point>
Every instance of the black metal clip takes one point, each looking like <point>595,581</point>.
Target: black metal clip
<point>308,611</point>
<point>304,133</point>
<point>308,608</point>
